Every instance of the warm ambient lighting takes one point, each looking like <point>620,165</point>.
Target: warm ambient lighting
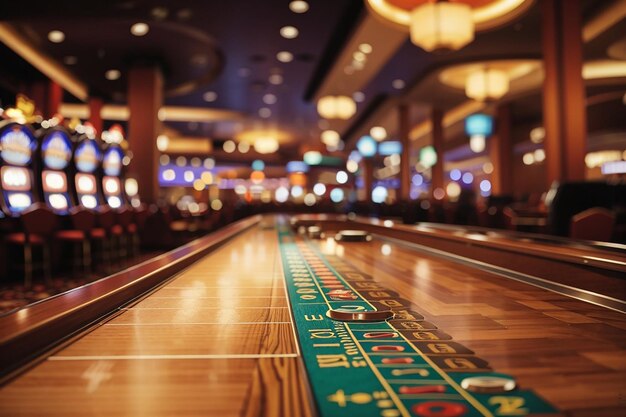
<point>112,74</point>
<point>209,96</point>
<point>284,56</point>
<point>336,107</point>
<point>56,36</point>
<point>487,84</point>
<point>330,138</point>
<point>299,6</point>
<point>265,145</point>
<point>442,26</point>
<point>289,32</point>
<point>379,133</point>
<point>162,142</point>
<point>139,29</point>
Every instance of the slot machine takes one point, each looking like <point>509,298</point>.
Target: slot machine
<point>87,158</point>
<point>112,165</point>
<point>56,154</point>
<point>17,147</point>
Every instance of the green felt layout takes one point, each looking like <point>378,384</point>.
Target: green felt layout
<point>403,367</point>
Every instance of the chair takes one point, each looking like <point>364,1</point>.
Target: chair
<point>124,219</point>
<point>596,223</point>
<point>83,222</point>
<point>38,226</point>
<point>105,233</point>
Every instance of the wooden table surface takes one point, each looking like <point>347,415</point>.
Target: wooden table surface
<point>218,339</point>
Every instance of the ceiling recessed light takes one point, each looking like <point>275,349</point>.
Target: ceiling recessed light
<point>359,56</point>
<point>209,96</point>
<point>264,112</point>
<point>56,36</point>
<point>70,60</point>
<point>366,48</point>
<point>269,98</point>
<point>358,96</point>
<point>289,32</point>
<point>112,74</point>
<point>284,56</point>
<point>243,147</point>
<point>298,6</point>
<point>229,146</point>
<point>398,84</point>
<point>139,29</point>
<point>276,79</point>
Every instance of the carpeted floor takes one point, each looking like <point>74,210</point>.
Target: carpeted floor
<point>14,295</point>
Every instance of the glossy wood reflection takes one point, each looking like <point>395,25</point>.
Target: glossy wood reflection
<point>216,340</point>
<point>571,352</point>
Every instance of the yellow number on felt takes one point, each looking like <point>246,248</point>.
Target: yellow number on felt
<point>509,406</point>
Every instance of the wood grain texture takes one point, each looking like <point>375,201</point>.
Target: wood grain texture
<point>570,352</point>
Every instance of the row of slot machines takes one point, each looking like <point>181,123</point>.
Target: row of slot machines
<point>60,167</point>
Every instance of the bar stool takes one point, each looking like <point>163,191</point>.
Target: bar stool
<point>596,223</point>
<point>83,222</point>
<point>124,219</point>
<point>38,226</point>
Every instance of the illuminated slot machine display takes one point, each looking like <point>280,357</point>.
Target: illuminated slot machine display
<point>87,157</point>
<point>17,145</point>
<point>56,153</point>
<point>112,168</point>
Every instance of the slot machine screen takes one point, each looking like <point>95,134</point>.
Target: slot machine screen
<point>86,189</point>
<point>55,186</point>
<point>16,184</point>
<point>56,150</point>
<point>112,166</point>
<point>112,190</point>
<point>17,145</point>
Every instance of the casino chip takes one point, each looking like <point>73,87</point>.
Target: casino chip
<point>353,236</point>
<point>488,384</point>
<point>360,315</point>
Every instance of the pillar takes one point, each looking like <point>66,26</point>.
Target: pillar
<point>564,111</point>
<point>54,99</point>
<point>95,108</point>
<point>368,178</point>
<point>145,97</point>
<point>404,127</point>
<point>436,119</point>
<point>501,152</point>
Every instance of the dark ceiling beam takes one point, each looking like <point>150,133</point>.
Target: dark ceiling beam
<point>348,22</point>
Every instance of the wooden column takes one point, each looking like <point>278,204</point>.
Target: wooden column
<point>368,178</point>
<point>501,152</point>
<point>437,143</point>
<point>404,127</point>
<point>145,97</point>
<point>95,107</point>
<point>564,111</point>
<point>54,99</point>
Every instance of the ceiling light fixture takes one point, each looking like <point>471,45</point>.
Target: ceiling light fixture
<point>398,84</point>
<point>264,112</point>
<point>289,32</point>
<point>56,36</point>
<point>442,26</point>
<point>209,96</point>
<point>330,137</point>
<point>269,98</point>
<point>276,79</point>
<point>379,133</point>
<point>112,74</point>
<point>284,56</point>
<point>266,144</point>
<point>336,107</point>
<point>487,84</point>
<point>366,48</point>
<point>299,6</point>
<point>139,29</point>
